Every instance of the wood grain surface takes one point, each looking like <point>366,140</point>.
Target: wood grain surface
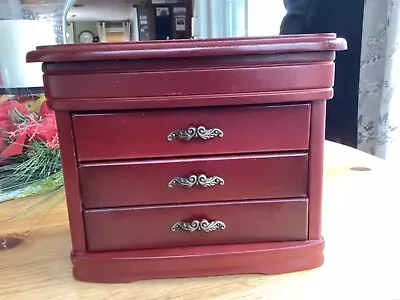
<point>148,131</point>
<point>139,182</point>
<point>361,226</point>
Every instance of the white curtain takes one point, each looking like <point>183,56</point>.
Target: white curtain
<point>135,25</point>
<point>210,19</point>
<point>234,18</point>
<point>379,93</point>
<point>69,33</point>
<point>101,30</point>
<point>126,27</point>
<point>265,17</point>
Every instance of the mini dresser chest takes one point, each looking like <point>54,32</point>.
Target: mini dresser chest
<point>192,157</point>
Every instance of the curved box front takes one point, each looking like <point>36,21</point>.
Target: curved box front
<point>208,71</point>
<point>244,116</point>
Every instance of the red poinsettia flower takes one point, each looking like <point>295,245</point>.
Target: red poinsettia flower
<point>5,122</point>
<point>43,130</point>
<point>16,147</point>
<point>38,123</point>
<point>45,110</point>
<point>6,110</point>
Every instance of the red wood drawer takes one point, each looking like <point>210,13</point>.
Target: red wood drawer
<point>145,133</point>
<point>150,227</point>
<point>152,182</point>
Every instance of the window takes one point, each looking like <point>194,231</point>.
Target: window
<point>235,18</point>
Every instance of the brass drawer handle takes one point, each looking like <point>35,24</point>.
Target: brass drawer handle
<point>196,225</point>
<point>192,180</point>
<point>193,132</point>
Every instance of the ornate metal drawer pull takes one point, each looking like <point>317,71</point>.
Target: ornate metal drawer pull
<point>184,182</point>
<point>193,132</point>
<point>192,180</point>
<point>196,225</point>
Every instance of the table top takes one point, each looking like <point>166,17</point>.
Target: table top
<point>361,226</point>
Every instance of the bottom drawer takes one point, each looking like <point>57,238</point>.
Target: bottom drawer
<point>176,225</point>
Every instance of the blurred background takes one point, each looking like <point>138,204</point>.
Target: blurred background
<point>132,20</point>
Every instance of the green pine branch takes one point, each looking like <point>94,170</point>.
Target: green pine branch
<point>37,163</point>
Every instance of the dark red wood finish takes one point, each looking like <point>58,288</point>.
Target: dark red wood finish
<point>193,48</point>
<point>146,181</point>
<point>115,106</point>
<point>164,65</point>
<point>190,81</point>
<point>246,60</point>
<point>71,181</point>
<point>261,258</point>
<point>316,168</point>
<point>262,98</point>
<point>150,226</point>
<point>144,133</point>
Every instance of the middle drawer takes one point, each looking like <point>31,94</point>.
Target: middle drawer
<point>187,180</point>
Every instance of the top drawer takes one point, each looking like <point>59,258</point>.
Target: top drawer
<point>186,132</point>
<point>188,80</point>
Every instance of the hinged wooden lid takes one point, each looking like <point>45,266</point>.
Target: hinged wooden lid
<point>188,48</point>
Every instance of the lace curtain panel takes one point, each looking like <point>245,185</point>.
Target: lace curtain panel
<point>379,90</point>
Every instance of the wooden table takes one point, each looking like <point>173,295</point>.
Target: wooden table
<point>361,225</point>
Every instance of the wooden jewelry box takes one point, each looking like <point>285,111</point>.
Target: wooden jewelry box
<point>192,157</point>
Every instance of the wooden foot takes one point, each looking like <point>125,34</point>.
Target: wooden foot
<point>263,258</point>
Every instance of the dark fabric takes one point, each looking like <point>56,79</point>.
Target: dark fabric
<point>298,17</point>
<point>345,18</point>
